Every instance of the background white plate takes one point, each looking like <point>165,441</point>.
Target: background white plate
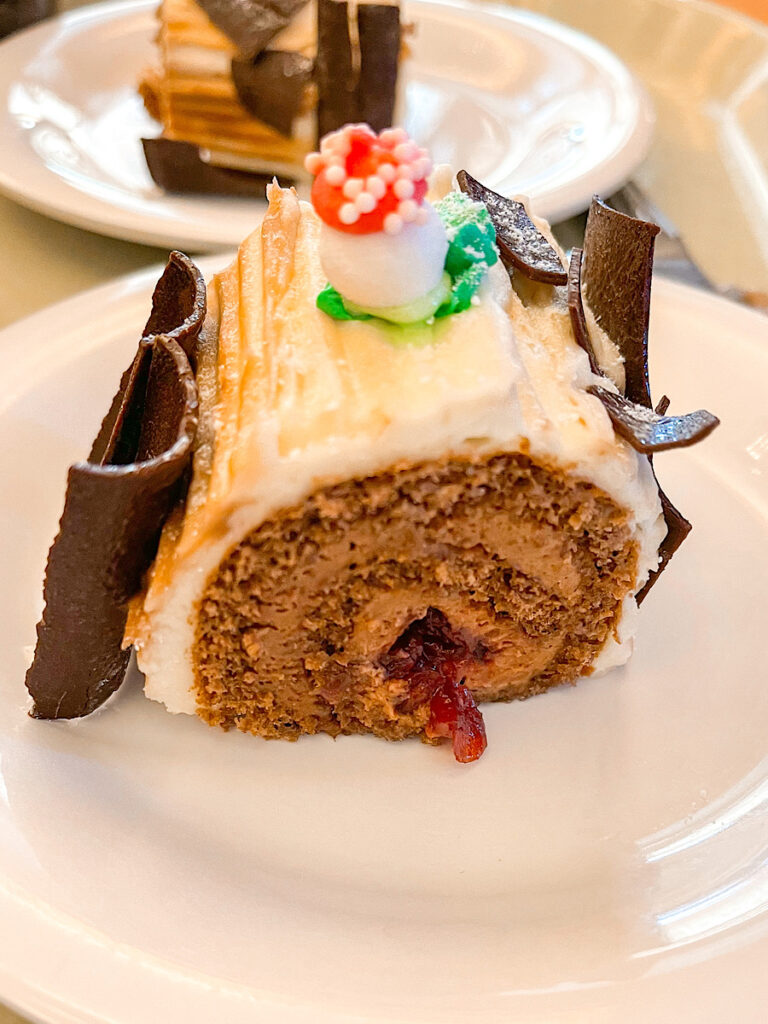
<point>528,105</point>
<point>606,860</point>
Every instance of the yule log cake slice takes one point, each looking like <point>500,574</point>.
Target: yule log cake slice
<point>421,474</point>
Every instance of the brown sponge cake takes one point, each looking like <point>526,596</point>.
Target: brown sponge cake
<point>509,566</point>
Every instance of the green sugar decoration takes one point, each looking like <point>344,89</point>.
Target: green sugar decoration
<point>331,302</point>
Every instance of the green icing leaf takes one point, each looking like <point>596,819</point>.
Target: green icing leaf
<point>471,251</point>
<point>471,248</point>
<point>330,302</point>
<point>464,287</point>
<point>471,234</point>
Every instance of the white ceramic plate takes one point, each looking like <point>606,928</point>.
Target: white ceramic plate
<point>528,105</point>
<point>606,860</point>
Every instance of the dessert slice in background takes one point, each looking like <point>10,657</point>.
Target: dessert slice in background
<point>243,88</point>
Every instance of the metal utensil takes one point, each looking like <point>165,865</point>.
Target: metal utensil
<point>671,257</point>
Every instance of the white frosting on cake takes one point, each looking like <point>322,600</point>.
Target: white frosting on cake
<point>322,401</point>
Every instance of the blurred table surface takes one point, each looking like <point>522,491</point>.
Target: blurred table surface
<point>690,173</point>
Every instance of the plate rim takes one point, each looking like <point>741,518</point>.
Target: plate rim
<point>101,216</point>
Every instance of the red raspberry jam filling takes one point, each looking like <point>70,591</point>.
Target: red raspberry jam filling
<point>433,658</point>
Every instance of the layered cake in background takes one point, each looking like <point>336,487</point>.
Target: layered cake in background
<point>243,89</point>
<point>420,468</point>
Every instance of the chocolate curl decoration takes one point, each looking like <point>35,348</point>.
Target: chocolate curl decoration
<point>272,86</point>
<point>178,312</point>
<point>356,71</point>
<point>617,286</point>
<point>178,306</point>
<point>678,529</point>
<point>649,431</point>
<point>251,24</point>
<point>646,429</point>
<point>115,506</point>
<point>618,266</point>
<point>521,245</point>
<point>178,167</point>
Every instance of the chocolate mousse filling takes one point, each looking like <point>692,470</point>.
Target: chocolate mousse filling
<point>395,603</point>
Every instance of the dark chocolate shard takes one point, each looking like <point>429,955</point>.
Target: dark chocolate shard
<point>115,506</point>
<point>618,260</point>
<point>647,430</point>
<point>335,74</point>
<point>521,245</point>
<point>117,439</point>
<point>107,538</point>
<point>178,311</point>
<point>358,51</point>
<point>251,24</point>
<point>273,86</point>
<point>178,305</point>
<point>678,529</point>
<point>177,167</point>
<point>617,284</point>
<point>576,310</point>
<point>378,32</point>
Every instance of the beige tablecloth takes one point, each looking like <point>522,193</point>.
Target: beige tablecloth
<point>698,65</point>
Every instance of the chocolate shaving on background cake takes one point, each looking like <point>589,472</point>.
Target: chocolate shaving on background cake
<point>272,86</point>
<point>115,506</point>
<point>335,73</point>
<point>177,167</point>
<point>356,72</point>
<point>251,24</point>
<point>379,39</point>
<point>521,245</point>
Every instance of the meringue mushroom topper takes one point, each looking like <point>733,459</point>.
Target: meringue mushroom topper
<point>387,252</point>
